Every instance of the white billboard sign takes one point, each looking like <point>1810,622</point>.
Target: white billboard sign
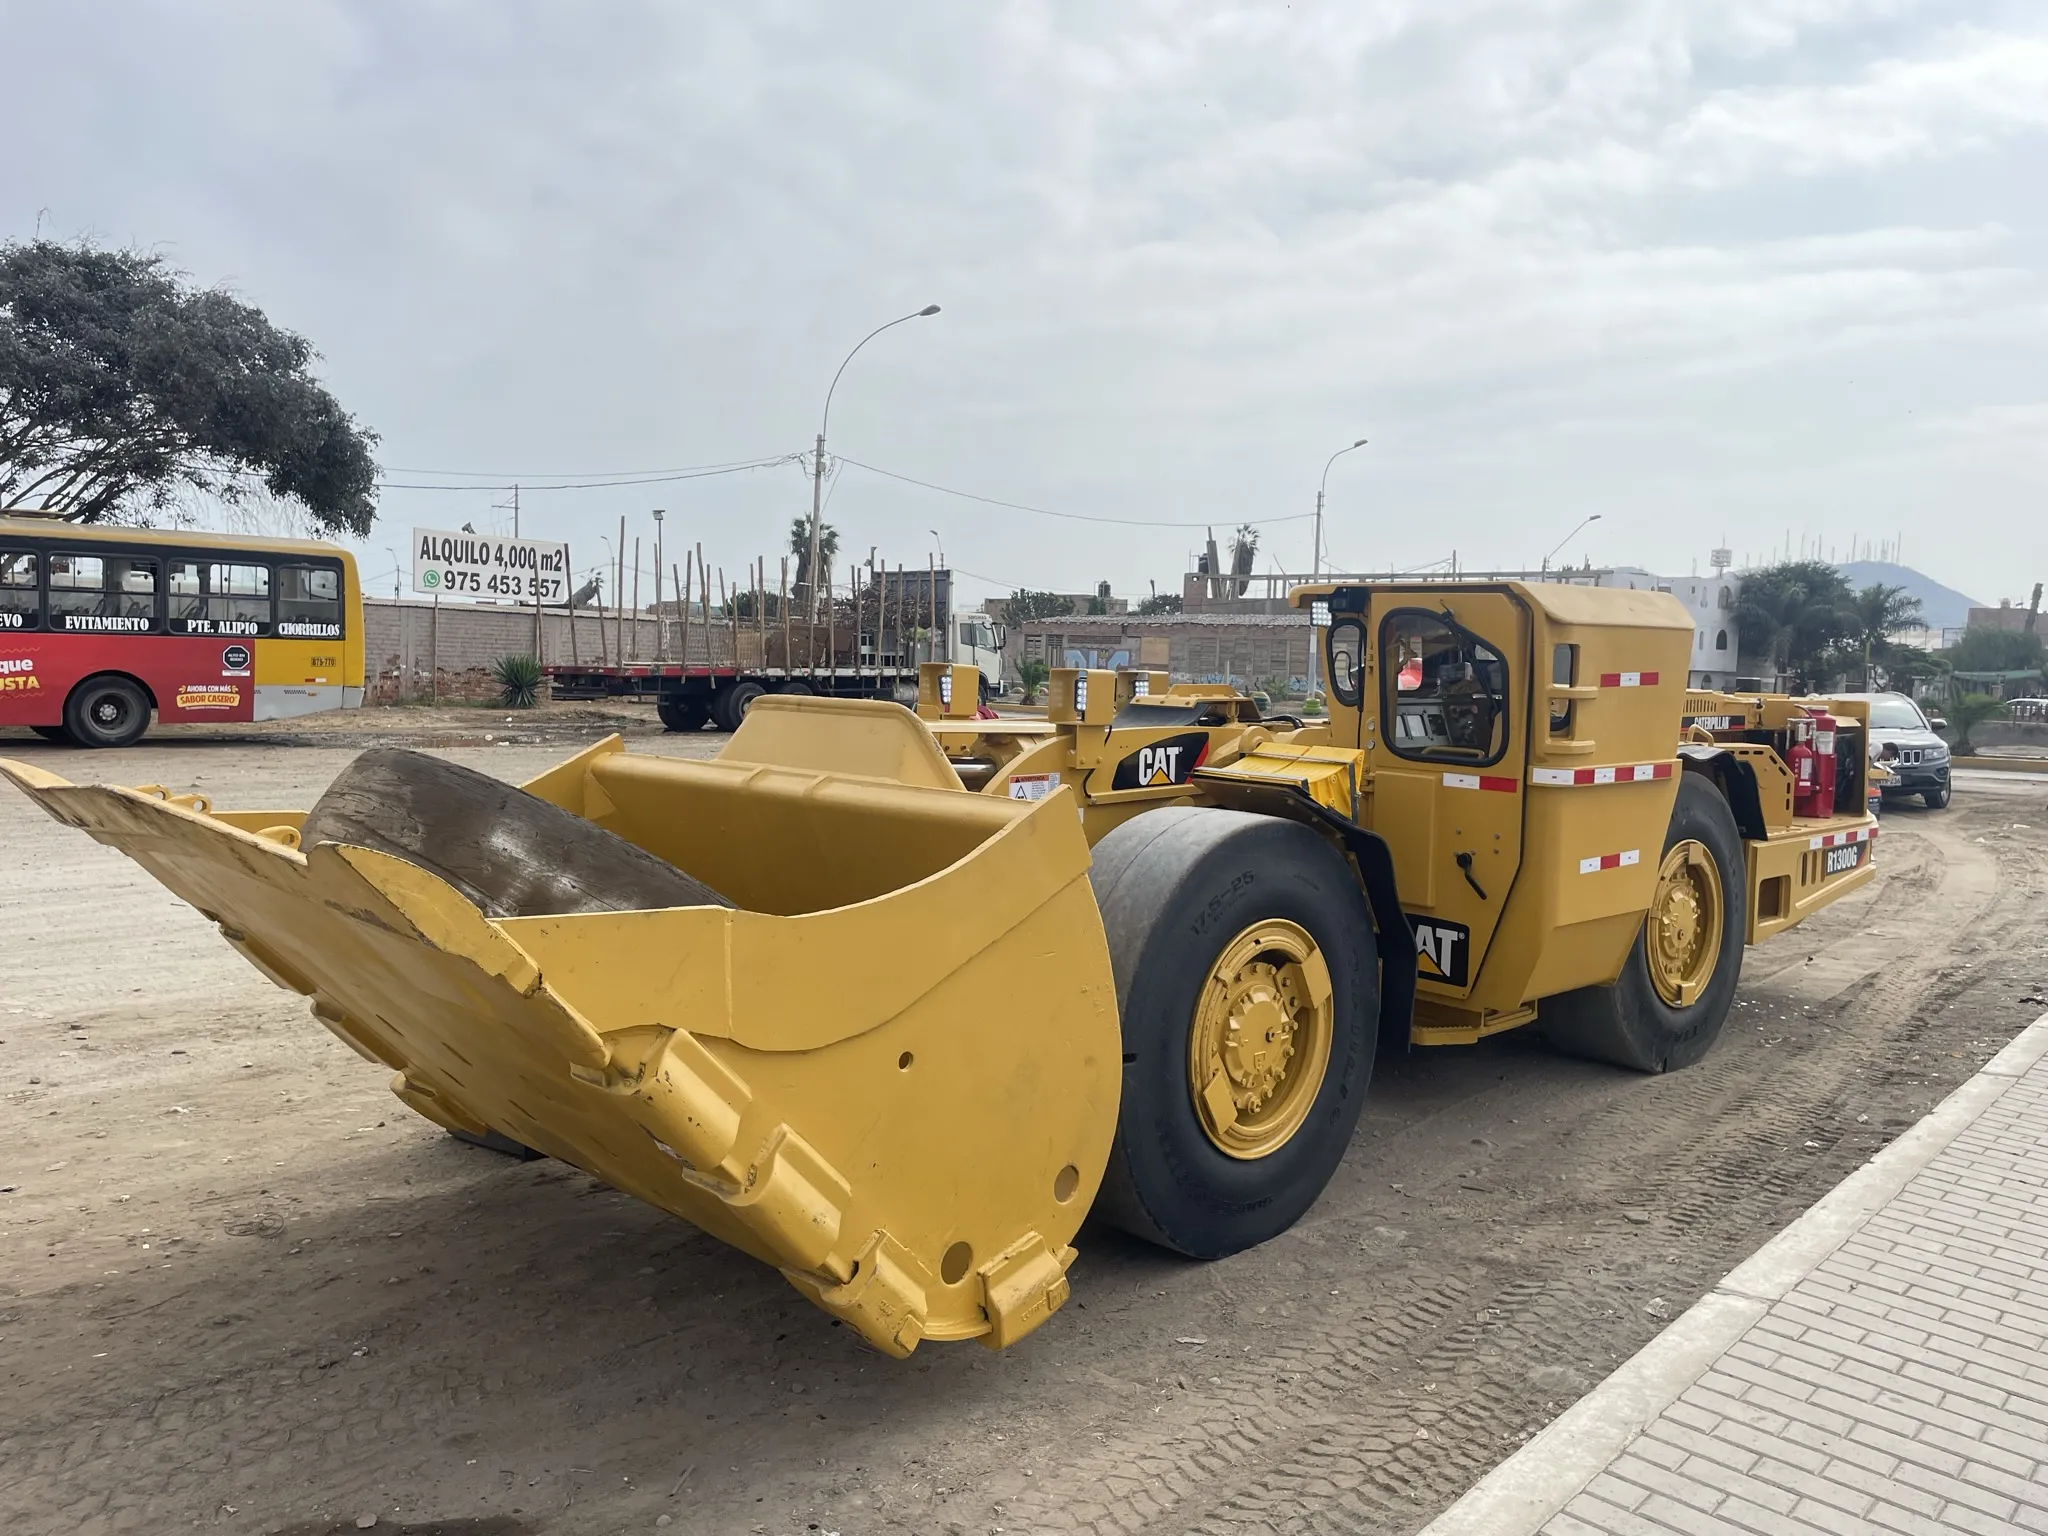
<point>478,565</point>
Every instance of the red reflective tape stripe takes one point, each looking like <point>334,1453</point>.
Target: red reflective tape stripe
<point>1505,786</point>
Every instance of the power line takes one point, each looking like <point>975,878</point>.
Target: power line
<point>527,477</point>
<point>1072,517</point>
<point>595,485</point>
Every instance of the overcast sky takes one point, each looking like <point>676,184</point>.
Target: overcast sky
<point>1717,270</point>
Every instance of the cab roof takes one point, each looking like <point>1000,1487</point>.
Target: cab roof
<point>1561,602</point>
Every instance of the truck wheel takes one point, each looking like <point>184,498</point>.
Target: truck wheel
<point>1678,982</point>
<point>1248,986</point>
<point>799,687</point>
<point>730,707</point>
<point>106,711</point>
<point>684,714</point>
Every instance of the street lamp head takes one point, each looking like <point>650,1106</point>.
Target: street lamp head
<point>1360,443</point>
<point>929,309</point>
<point>1594,518</point>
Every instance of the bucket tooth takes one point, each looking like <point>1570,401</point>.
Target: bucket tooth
<point>1021,1287</point>
<point>884,1300</point>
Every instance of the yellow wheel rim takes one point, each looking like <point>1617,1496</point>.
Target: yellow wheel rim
<point>1682,936</point>
<point>1261,1039</point>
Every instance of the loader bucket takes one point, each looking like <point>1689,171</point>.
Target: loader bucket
<point>890,1069</point>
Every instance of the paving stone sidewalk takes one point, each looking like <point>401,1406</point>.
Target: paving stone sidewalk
<point>1881,1366</point>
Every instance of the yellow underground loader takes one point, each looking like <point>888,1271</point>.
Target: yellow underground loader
<point>892,1004</point>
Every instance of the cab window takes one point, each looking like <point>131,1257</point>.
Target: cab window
<point>1346,648</point>
<point>21,604</point>
<point>102,594</point>
<point>309,601</point>
<point>1446,689</point>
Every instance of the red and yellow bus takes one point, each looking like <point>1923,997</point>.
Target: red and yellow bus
<point>100,626</point>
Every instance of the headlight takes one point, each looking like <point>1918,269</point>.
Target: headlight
<point>1938,753</point>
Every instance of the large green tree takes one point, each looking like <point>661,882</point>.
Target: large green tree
<point>1796,614</point>
<point>1996,650</point>
<point>123,386</point>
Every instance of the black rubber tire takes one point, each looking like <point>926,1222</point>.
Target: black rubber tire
<point>1175,887</point>
<point>513,854</point>
<point>684,714</point>
<point>730,707</point>
<point>1628,1024</point>
<point>55,733</point>
<point>1935,799</point>
<point>798,687</point>
<point>106,711</point>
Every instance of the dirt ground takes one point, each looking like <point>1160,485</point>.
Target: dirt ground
<point>242,1289</point>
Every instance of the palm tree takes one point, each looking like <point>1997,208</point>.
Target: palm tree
<point>1878,613</point>
<point>800,546</point>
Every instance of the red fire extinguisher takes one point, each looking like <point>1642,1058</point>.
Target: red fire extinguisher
<point>1823,763</point>
<point>1812,761</point>
<point>1802,760</point>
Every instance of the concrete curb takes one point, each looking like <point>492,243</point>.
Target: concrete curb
<point>1517,1497</point>
<point>2000,764</point>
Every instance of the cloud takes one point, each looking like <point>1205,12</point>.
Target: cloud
<point>1553,254</point>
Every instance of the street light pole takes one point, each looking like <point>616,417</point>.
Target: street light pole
<point>818,466</point>
<point>1315,565</point>
<point>1594,518</point>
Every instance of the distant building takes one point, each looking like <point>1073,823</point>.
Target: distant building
<point>1248,649</point>
<point>2007,616</point>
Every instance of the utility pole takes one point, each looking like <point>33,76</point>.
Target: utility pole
<point>515,511</point>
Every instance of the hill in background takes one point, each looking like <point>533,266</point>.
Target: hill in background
<point>1940,607</point>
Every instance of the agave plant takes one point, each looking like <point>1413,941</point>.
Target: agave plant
<point>518,680</point>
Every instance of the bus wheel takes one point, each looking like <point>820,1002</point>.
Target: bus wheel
<point>55,733</point>
<point>106,712</point>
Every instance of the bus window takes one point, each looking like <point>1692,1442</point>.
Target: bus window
<point>186,605</point>
<point>102,594</point>
<point>309,601</point>
<point>20,606</point>
<point>238,599</point>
